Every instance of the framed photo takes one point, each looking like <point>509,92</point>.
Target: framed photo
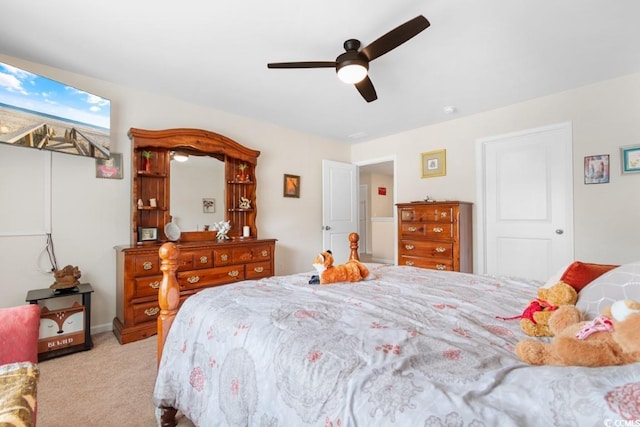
<point>596,169</point>
<point>434,163</point>
<point>209,205</point>
<point>291,186</point>
<point>110,168</point>
<point>147,234</point>
<point>630,155</point>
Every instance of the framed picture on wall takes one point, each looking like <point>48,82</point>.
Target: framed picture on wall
<point>630,156</point>
<point>291,186</point>
<point>434,163</point>
<point>596,169</point>
<point>110,168</point>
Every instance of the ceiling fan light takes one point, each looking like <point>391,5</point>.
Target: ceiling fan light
<point>352,73</point>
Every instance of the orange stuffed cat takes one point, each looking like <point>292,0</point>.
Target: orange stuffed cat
<point>352,271</point>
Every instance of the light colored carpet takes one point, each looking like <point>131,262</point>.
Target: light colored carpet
<point>109,385</point>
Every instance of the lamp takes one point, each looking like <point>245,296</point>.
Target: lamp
<point>179,157</point>
<point>352,72</point>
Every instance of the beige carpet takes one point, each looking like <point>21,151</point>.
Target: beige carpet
<point>109,385</point>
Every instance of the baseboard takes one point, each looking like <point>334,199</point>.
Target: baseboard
<point>382,261</point>
<point>105,327</point>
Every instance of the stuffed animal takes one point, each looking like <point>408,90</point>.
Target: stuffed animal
<point>609,339</point>
<point>352,271</point>
<point>535,317</point>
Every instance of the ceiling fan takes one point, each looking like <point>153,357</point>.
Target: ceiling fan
<point>352,66</point>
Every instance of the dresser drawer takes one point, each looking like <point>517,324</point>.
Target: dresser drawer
<point>427,213</point>
<point>221,257</point>
<point>145,312</point>
<point>195,279</point>
<point>195,259</point>
<point>426,249</point>
<point>146,286</point>
<point>251,253</point>
<point>144,265</point>
<point>257,270</point>
<point>434,264</point>
<point>432,230</point>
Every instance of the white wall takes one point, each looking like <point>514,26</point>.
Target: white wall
<point>605,116</point>
<point>90,216</point>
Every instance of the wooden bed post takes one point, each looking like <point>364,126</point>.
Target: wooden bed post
<point>353,239</point>
<point>169,292</point>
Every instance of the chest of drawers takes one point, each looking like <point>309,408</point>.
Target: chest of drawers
<point>201,265</point>
<point>436,235</point>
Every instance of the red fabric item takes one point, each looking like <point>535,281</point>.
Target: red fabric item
<point>580,274</point>
<point>19,330</point>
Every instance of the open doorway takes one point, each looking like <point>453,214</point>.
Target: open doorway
<point>376,224</point>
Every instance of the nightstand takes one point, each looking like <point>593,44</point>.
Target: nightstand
<point>66,330</point>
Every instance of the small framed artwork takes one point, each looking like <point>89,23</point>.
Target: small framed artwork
<point>596,169</point>
<point>209,205</point>
<point>291,186</point>
<point>630,155</point>
<point>434,163</point>
<point>147,234</point>
<point>110,168</point>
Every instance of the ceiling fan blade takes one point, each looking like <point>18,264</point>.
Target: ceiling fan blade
<point>366,89</point>
<point>396,37</point>
<point>308,64</point>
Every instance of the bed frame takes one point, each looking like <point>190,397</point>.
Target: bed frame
<point>169,299</point>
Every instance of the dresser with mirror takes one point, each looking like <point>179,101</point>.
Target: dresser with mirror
<point>185,183</point>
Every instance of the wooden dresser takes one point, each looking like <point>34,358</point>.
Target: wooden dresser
<point>201,265</point>
<point>435,235</point>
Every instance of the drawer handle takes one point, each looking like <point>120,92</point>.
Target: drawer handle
<point>204,260</point>
<point>437,229</point>
<point>258,269</point>
<point>265,253</point>
<point>412,229</point>
<point>443,214</point>
<point>152,311</point>
<point>148,265</point>
<point>154,285</point>
<point>193,279</point>
<point>441,249</point>
<point>234,273</point>
<point>441,266</point>
<point>409,247</point>
<point>409,263</point>
<point>224,257</point>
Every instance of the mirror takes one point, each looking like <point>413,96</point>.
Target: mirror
<point>197,191</point>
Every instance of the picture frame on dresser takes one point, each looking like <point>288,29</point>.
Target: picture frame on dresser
<point>147,234</point>
<point>630,157</point>
<point>434,163</point>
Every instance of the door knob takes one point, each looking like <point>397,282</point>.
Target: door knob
<point>326,227</point>
<point>559,231</point>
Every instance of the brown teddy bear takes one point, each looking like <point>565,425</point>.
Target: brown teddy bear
<point>610,339</point>
<point>535,318</point>
<point>352,271</point>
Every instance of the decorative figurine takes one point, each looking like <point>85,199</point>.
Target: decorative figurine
<point>245,203</point>
<point>222,228</point>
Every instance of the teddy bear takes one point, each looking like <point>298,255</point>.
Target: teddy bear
<point>609,339</point>
<point>352,271</point>
<point>535,317</point>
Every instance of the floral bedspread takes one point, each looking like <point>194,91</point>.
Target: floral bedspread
<point>413,347</point>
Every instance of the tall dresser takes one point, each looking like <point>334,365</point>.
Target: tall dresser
<point>435,235</point>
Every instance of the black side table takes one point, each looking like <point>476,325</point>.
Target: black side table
<point>84,289</point>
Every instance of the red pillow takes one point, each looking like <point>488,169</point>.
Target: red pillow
<point>580,274</point>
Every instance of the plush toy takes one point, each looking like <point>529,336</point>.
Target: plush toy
<point>609,339</point>
<point>352,271</point>
<point>534,319</point>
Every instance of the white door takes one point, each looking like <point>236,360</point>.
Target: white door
<point>363,219</point>
<point>527,200</point>
<point>339,207</point>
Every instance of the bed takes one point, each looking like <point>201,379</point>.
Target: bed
<point>411,347</point>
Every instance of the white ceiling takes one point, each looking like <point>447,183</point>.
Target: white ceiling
<point>477,55</point>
